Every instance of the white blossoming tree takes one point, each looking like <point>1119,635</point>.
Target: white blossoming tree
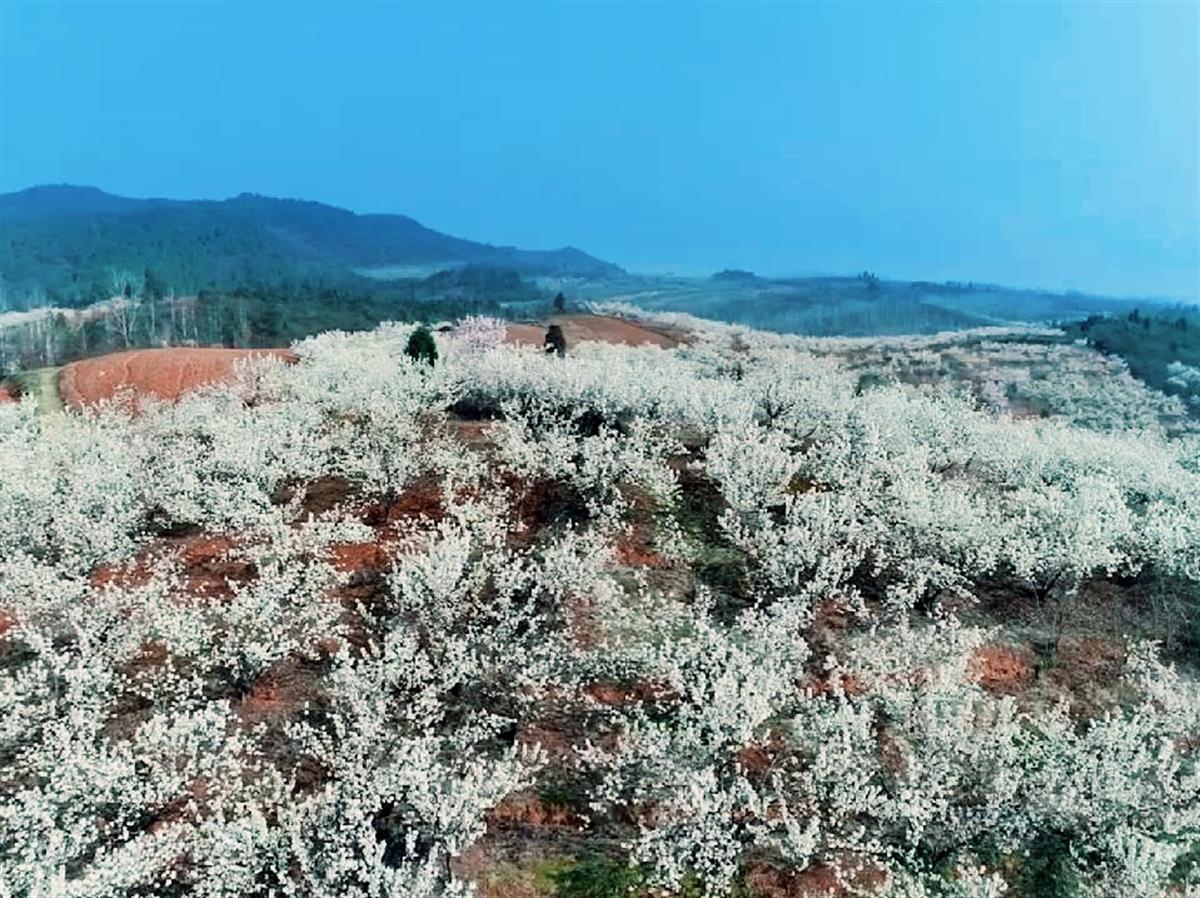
<point>723,608</point>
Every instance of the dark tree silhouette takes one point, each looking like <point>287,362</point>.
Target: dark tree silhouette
<point>555,341</point>
<point>421,347</point>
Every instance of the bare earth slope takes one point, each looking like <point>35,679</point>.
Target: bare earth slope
<point>170,372</point>
<point>163,373</point>
<point>601,328</point>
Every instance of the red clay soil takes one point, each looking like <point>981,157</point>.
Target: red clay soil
<point>600,328</point>
<point>207,564</point>
<point>524,334</point>
<point>528,809</point>
<point>7,621</point>
<point>185,808</point>
<point>282,690</point>
<point>1084,660</point>
<point>851,686</point>
<point>124,574</point>
<point>151,656</point>
<point>584,628</point>
<point>817,881</point>
<point>757,758</point>
<point>354,558</point>
<point>162,373</point>
<point>420,500</point>
<point>7,395</point>
<point>210,569</point>
<point>634,550</point>
<point>473,434</point>
<point>637,692</point>
<point>1002,669</point>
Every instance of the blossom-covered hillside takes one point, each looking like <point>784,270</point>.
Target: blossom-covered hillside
<point>752,616</point>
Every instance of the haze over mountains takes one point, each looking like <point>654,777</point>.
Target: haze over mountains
<point>319,267</point>
<point>64,242</point>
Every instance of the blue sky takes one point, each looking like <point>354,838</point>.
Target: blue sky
<point>1036,144</point>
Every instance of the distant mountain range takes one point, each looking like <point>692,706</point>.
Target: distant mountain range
<point>62,243</point>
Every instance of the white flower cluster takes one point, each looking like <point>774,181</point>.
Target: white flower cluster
<point>301,636</point>
<point>479,333</point>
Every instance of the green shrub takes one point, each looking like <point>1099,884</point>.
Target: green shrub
<point>1187,868</point>
<point>598,877</point>
<point>555,341</point>
<point>421,347</point>
<point>1049,871</point>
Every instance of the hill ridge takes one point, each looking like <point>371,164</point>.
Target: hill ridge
<point>64,239</point>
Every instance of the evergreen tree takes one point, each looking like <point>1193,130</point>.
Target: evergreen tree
<point>421,347</point>
<point>555,341</point>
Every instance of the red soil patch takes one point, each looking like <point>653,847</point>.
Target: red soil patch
<point>633,550</point>
<point>1084,660</point>
<point>629,693</point>
<point>635,545</point>
<point>327,646</point>
<point>205,563</point>
<point>831,618</point>
<point>359,557</point>
<point>7,621</point>
<point>757,758</point>
<point>851,685</point>
<point>1002,669</point>
<point>186,808</point>
<point>421,500</point>
<point>560,736</point>
<point>123,575</point>
<point>473,434</point>
<point>317,496</point>
<point>646,813</point>
<point>583,622</point>
<point>894,750</point>
<point>820,880</point>
<point>162,373</point>
<point>7,395</point>
<point>210,572</point>
<point>598,328</point>
<point>524,334</point>
<point>532,503</point>
<point>833,614</point>
<point>606,329</point>
<point>363,593</point>
<point>527,809</point>
<point>151,656</point>
<point>284,689</point>
<point>558,744</point>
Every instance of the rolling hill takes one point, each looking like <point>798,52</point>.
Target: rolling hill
<point>63,243</point>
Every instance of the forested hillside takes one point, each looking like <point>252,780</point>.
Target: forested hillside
<point>63,245</point>
<point>861,305</point>
<point>258,315</point>
<point>1161,347</point>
